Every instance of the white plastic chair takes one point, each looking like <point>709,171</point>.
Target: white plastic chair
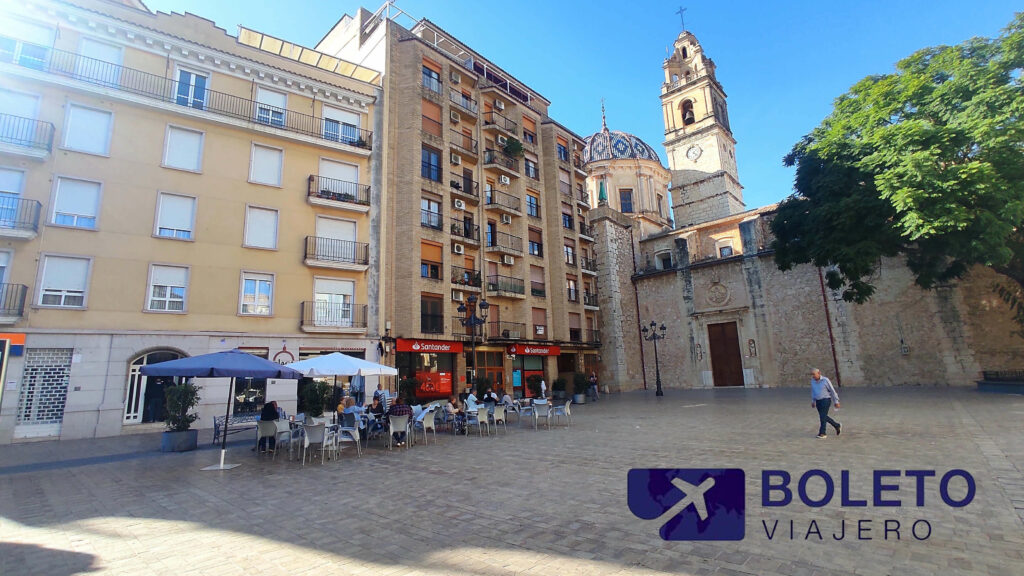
<point>526,410</point>
<point>313,435</point>
<point>398,423</point>
<point>513,408</point>
<point>479,419</point>
<point>349,432</point>
<point>499,418</point>
<point>266,429</point>
<point>563,410</point>
<point>425,423</point>
<point>541,409</point>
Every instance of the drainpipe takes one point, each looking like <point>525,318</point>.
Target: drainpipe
<point>828,321</point>
<point>636,301</point>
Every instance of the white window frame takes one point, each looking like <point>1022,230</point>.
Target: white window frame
<point>192,224</point>
<point>252,157</point>
<point>52,218</point>
<point>167,141</point>
<point>178,68</point>
<point>67,122</point>
<point>245,228</point>
<point>269,119</point>
<point>41,274</point>
<point>149,289</point>
<point>241,292</point>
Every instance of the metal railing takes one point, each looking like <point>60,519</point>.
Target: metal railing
<point>463,101</point>
<point>505,241</point>
<point>588,264</point>
<point>432,323</point>
<point>577,161</point>
<point>110,75</point>
<point>506,330</point>
<point>532,171</point>
<point>322,314</point>
<point>430,219</point>
<point>26,132</point>
<point>19,213</point>
<point>12,299</point>
<point>464,184</point>
<point>499,198</point>
<point>537,289</point>
<point>465,276</point>
<point>493,118</point>
<point>573,294</point>
<point>339,190</point>
<point>565,188</point>
<point>586,230</point>
<point>430,171</point>
<point>593,336</point>
<point>333,250</point>
<point>464,142</point>
<point>465,229</point>
<point>582,196</point>
<point>464,332</point>
<point>498,283</point>
<point>589,299</point>
<point>431,126</point>
<point>501,159</point>
<point>432,84</point>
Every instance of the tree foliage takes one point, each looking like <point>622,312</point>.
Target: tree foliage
<point>927,162</point>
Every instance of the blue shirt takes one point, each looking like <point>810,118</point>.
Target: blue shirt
<point>823,388</point>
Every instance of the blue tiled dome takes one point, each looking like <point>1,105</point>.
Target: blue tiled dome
<point>612,144</point>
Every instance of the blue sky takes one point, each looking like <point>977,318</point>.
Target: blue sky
<point>780,64</point>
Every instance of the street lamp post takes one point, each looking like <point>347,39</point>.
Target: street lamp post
<point>472,320</point>
<point>652,335</point>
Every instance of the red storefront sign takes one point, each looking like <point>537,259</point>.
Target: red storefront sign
<point>531,350</point>
<point>434,384</point>
<point>428,346</point>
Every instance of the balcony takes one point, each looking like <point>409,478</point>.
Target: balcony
<point>575,335</point>
<point>506,286</point>
<point>577,164</point>
<point>582,198</point>
<point>592,336</point>
<point>432,323</point>
<point>466,277</point>
<point>12,302</point>
<point>504,243</point>
<point>540,331</point>
<point>588,265</point>
<point>464,333</point>
<point>337,254</point>
<point>464,102</point>
<point>464,143</point>
<point>502,202</point>
<point>537,289</point>
<point>464,186</point>
<point>500,123</point>
<point>333,193</point>
<point>25,136</point>
<point>590,299</point>
<point>145,85</point>
<point>466,230</point>
<point>430,171</point>
<point>501,162</point>
<point>572,294</point>
<point>19,218</point>
<point>429,219</point>
<point>586,231</point>
<point>506,330</point>
<point>333,317</point>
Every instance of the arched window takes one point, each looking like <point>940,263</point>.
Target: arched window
<point>685,53</point>
<point>675,78</point>
<point>144,400</point>
<point>687,110</point>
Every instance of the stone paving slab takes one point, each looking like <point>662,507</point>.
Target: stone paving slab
<point>529,502</point>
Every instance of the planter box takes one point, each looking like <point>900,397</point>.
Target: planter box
<point>179,441</point>
<point>579,398</point>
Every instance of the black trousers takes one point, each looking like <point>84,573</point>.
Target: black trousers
<point>823,404</point>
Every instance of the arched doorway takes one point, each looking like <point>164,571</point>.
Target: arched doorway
<point>144,400</point>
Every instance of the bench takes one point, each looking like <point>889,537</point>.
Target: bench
<point>1004,381</point>
<point>237,423</point>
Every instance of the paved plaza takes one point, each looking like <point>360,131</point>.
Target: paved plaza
<point>531,502</point>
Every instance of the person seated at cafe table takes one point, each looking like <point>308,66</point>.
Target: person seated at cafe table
<point>348,406</point>
<point>399,408</point>
<point>490,397</point>
<point>466,393</point>
<point>269,413</point>
<point>456,414</point>
<point>507,400</point>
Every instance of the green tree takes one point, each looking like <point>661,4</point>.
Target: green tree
<point>927,162</point>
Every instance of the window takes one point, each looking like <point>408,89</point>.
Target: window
<point>432,77</point>
<point>572,290</point>
<point>167,287</point>
<point>537,282</point>
<point>33,50</point>
<point>183,149</point>
<point>529,130</point>
<point>175,216</point>
<point>431,314</point>
<point>430,213</point>
<point>101,62</point>
<point>724,248</point>
<point>563,152</point>
<point>257,294</point>
<point>626,200</point>
<point>532,206</point>
<point>266,165</point>
<point>431,118</point>
<point>567,220</point>
<point>531,168</point>
<point>570,253</point>
<point>332,304</point>
<point>536,244</point>
<point>665,261</point>
<point>64,281</point>
<point>430,260</point>
<point>661,205</point>
<point>191,89</point>
<point>88,130</point>
<point>430,164</point>
<point>341,125</point>
<point>10,191</point>
<point>260,228</point>
<point>270,106</point>
<point>76,203</point>
<point>687,111</point>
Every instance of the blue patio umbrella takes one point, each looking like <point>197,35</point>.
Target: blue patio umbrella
<point>228,364</point>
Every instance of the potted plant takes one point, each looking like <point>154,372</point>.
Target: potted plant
<point>360,143</point>
<point>407,389</point>
<point>579,388</point>
<point>513,147</point>
<point>455,184</point>
<point>180,399</point>
<point>533,384</point>
<point>558,389</point>
<point>314,397</point>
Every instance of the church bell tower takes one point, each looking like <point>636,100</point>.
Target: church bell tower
<point>700,146</point>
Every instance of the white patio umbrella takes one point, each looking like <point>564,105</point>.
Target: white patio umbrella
<point>338,364</point>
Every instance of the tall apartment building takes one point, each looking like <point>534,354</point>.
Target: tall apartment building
<point>469,217</point>
<point>165,190</point>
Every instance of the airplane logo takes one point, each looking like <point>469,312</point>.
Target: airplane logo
<point>716,495</point>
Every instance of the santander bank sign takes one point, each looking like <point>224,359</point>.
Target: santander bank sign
<point>427,346</point>
<point>529,350</point>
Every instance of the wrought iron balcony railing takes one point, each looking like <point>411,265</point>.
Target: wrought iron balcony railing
<point>464,142</point>
<point>589,299</point>
<point>463,101</point>
<point>339,190</point>
<point>498,198</point>
<point>493,118</point>
<point>573,294</point>
<point>430,219</point>
<point>337,251</point>
<point>19,214</point>
<point>496,283</point>
<point>593,336</point>
<point>506,330</point>
<point>501,159</point>
<point>12,299</point>
<point>465,276</point>
<point>588,264</point>
<point>504,241</point>
<point>464,184</point>
<point>333,315</point>
<point>26,132</point>
<point>465,229</point>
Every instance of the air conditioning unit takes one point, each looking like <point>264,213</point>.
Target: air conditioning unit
<point>499,105</point>
<point>460,204</point>
<point>506,219</point>
<point>505,181</point>
<point>539,330</point>
<point>502,140</point>
<point>458,248</point>
<point>456,159</point>
<point>514,335</point>
<point>457,295</point>
<point>509,260</point>
<point>579,211</point>
<point>456,77</point>
<point>455,117</point>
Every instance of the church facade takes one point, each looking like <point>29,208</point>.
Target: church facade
<point>731,317</point>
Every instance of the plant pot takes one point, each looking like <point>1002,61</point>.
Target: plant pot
<point>558,394</point>
<point>179,441</point>
<point>579,398</point>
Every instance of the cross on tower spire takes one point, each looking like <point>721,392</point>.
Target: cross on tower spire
<point>682,21</point>
<point>604,124</point>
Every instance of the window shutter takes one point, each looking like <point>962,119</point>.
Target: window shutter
<point>574,321</point>
<point>176,211</point>
<point>539,316</point>
<point>271,98</point>
<point>169,276</point>
<point>430,252</point>
<point>536,274</point>
<point>183,148</point>
<point>88,130</point>
<point>77,197</point>
<point>266,165</point>
<point>61,273</point>
<point>261,228</point>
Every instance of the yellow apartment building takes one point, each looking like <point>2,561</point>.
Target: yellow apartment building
<point>167,190</point>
